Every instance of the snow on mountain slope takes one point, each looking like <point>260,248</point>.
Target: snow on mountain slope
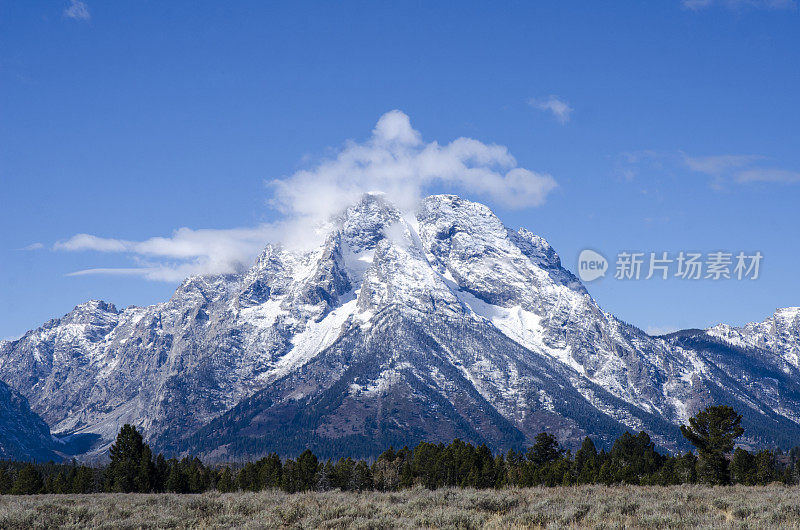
<point>779,334</point>
<point>398,327</point>
<point>531,298</point>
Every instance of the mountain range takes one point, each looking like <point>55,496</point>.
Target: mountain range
<point>398,328</point>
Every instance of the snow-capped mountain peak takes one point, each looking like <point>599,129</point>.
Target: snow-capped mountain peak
<point>398,327</point>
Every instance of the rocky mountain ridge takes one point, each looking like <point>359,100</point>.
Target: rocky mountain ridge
<point>398,328</point>
<point>23,434</point>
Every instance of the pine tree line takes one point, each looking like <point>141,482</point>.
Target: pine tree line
<point>632,459</point>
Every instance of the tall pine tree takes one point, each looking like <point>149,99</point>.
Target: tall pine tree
<point>131,467</point>
<point>713,432</point>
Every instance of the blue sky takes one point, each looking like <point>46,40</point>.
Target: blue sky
<point>665,126</point>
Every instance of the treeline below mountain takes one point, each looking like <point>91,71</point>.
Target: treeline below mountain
<point>632,459</point>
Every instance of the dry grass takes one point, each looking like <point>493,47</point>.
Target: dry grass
<point>585,506</point>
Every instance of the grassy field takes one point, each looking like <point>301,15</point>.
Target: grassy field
<point>585,506</point>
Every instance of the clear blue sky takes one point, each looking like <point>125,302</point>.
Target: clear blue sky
<point>131,119</point>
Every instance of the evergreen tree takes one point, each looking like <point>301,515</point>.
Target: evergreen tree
<point>307,465</point>
<point>635,458</point>
<point>343,473</point>
<point>300,474</point>
<point>84,480</point>
<point>427,465</point>
<point>146,474</point>
<point>362,477</point>
<point>161,473</point>
<point>6,481</point>
<point>404,458</point>
<point>686,469</point>
<point>485,465</point>
<point>713,432</point>
<point>545,449</point>
<point>270,470</point>
<point>289,481</point>
<point>198,478</point>
<point>788,476</point>
<point>247,478</point>
<point>667,475</point>
<point>743,467</point>
<point>765,467</point>
<point>29,481</point>
<point>225,483</point>
<point>501,472</point>
<point>606,474</point>
<point>130,468</point>
<point>59,483</point>
<point>586,467</point>
<point>514,468</point>
<point>176,478</point>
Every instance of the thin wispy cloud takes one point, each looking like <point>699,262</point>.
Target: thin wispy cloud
<point>394,160</point>
<point>77,10</point>
<point>697,5</point>
<point>723,171</point>
<point>33,246</point>
<point>555,105</point>
<point>768,175</point>
<point>719,164</point>
<point>740,169</point>
<point>185,252</point>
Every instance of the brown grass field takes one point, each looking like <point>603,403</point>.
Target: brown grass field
<point>576,507</point>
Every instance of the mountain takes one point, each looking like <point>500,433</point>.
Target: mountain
<point>398,328</point>
<point>23,434</point>
<point>758,366</point>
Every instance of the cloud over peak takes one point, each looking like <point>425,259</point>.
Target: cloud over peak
<point>186,252</point>
<point>394,160</point>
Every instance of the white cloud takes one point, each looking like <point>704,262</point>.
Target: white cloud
<point>697,5</point>
<point>90,242</point>
<point>77,10</point>
<point>723,171</point>
<point>33,246</point>
<point>397,162</point>
<point>555,105</point>
<point>186,252</point>
<point>394,160</point>
<point>768,175</point>
<point>739,169</point>
<point>719,164</point>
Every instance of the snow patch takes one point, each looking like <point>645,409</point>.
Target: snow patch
<point>316,337</point>
<point>521,326</point>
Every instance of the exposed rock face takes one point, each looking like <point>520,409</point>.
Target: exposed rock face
<point>398,328</point>
<point>23,434</point>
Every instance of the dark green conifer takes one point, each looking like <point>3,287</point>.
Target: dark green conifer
<point>29,481</point>
<point>130,468</point>
<point>713,432</point>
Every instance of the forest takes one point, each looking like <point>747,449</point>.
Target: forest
<point>632,460</point>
